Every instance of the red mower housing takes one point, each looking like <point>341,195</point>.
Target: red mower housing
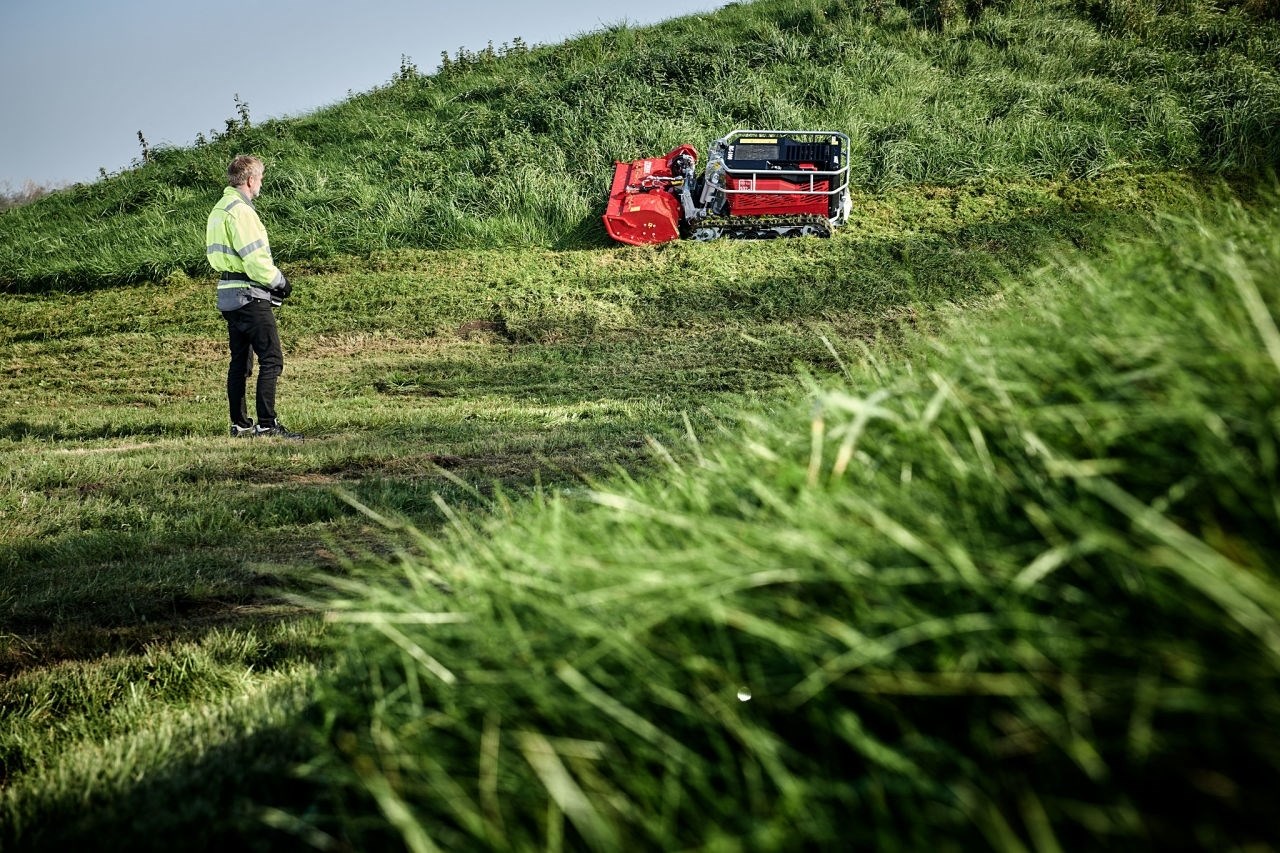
<point>642,209</point>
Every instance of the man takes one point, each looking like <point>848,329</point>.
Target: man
<point>249,288</point>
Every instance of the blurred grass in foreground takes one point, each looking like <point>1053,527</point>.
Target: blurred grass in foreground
<point>1017,588</point>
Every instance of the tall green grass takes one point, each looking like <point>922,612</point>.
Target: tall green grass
<point>516,147</point>
<point>1013,585</point>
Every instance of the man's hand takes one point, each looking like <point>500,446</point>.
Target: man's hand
<point>281,291</point>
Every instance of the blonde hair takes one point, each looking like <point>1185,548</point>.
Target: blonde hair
<point>242,168</point>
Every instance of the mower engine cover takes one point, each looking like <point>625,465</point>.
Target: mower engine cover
<point>644,207</point>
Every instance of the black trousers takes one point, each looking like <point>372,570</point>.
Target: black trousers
<point>251,331</point>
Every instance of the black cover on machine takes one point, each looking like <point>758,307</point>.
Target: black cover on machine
<point>783,153</point>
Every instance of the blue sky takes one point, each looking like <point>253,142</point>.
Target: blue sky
<point>80,78</point>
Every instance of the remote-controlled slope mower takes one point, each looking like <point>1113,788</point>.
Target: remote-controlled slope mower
<point>757,184</point>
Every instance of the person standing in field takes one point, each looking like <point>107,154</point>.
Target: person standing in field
<point>250,287</point>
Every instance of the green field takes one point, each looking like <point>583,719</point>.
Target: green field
<point>955,530</point>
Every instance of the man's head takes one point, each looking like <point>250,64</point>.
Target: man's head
<point>245,174</point>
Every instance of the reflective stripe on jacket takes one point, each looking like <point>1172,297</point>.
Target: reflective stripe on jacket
<point>236,242</point>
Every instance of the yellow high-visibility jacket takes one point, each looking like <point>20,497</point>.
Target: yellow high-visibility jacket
<point>235,243</point>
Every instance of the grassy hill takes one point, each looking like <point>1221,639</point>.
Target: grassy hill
<point>515,146</point>
<point>956,529</point>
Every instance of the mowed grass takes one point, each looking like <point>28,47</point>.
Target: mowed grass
<point>182,727</point>
<point>419,369</point>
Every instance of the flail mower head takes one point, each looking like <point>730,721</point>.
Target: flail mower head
<point>757,184</point>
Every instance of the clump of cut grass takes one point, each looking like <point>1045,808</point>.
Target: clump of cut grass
<point>1016,589</point>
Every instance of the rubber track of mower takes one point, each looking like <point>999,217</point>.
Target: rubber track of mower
<point>761,227</point>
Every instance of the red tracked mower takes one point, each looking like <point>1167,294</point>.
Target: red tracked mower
<point>757,184</point>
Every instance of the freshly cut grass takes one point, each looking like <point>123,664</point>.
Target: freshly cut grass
<point>1013,587</point>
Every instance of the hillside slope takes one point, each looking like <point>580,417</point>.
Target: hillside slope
<point>515,146</point>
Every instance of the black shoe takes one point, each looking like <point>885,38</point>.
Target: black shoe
<point>238,431</point>
<point>276,430</point>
